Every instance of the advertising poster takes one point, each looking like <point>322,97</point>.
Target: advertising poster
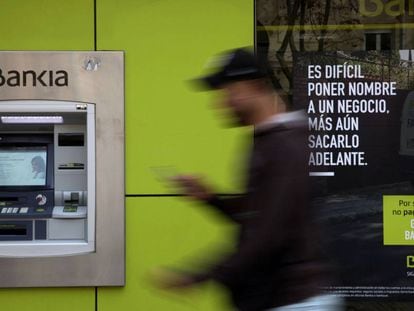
<point>360,109</point>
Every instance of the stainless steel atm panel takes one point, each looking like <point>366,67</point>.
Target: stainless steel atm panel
<point>62,169</point>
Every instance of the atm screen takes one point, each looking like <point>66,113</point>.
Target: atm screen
<point>23,166</point>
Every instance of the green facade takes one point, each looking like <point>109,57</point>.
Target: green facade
<point>166,43</point>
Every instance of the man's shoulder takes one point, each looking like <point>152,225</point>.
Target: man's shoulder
<point>284,145</point>
<point>287,133</point>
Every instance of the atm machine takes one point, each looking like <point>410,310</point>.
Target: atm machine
<point>47,188</point>
<point>62,169</point>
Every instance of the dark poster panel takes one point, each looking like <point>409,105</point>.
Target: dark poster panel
<point>354,61</point>
<point>361,114</point>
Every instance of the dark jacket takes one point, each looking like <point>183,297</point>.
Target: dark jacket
<point>276,261</point>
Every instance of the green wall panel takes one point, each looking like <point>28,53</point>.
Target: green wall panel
<point>166,43</point>
<point>167,232</point>
<point>48,299</point>
<point>46,25</point>
<point>167,123</point>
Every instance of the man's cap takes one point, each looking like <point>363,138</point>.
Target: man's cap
<point>235,65</point>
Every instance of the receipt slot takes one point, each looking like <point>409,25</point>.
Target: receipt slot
<point>61,169</point>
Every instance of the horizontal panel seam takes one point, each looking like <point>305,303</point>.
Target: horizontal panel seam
<point>146,195</point>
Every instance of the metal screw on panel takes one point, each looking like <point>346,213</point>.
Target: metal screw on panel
<point>92,64</point>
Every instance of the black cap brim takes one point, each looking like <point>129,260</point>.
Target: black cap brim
<point>210,82</point>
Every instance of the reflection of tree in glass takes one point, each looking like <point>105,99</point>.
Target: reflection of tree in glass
<point>307,25</point>
<point>331,25</point>
<point>38,167</point>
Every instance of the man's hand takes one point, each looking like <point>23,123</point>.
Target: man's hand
<point>193,187</point>
<point>170,280</point>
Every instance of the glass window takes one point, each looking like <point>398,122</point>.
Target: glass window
<point>350,65</point>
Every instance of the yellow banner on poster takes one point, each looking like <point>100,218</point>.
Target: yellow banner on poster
<point>398,219</point>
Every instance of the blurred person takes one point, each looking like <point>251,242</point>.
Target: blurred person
<point>277,262</point>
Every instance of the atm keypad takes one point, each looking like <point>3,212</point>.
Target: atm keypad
<point>14,210</point>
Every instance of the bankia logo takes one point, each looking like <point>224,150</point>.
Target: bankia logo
<point>32,78</point>
<point>410,261</point>
<point>392,8</point>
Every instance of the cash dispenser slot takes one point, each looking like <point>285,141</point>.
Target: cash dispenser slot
<point>16,230</point>
<point>23,230</point>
